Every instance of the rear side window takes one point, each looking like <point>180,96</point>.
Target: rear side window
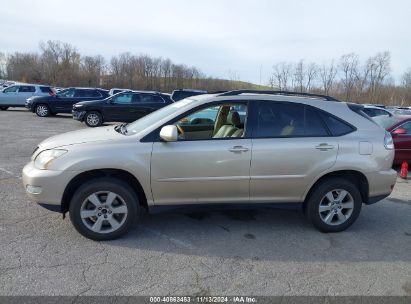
<point>46,90</point>
<point>277,119</point>
<point>87,93</point>
<point>149,98</point>
<point>27,89</point>
<point>336,126</point>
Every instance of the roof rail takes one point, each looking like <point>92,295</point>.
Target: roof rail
<point>287,93</point>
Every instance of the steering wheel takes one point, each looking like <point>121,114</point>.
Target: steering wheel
<point>180,129</point>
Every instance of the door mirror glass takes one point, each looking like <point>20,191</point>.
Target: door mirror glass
<point>169,133</point>
<point>399,131</point>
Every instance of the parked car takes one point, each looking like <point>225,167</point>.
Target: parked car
<point>63,101</point>
<point>123,107</point>
<point>184,93</point>
<point>373,111</point>
<point>400,128</point>
<point>16,95</point>
<point>114,91</point>
<point>318,154</point>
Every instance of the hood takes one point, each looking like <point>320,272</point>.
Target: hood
<point>80,137</point>
<point>42,98</point>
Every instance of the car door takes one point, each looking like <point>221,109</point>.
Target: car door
<point>9,95</point>
<point>120,108</point>
<point>145,103</point>
<point>402,143</point>
<point>291,148</point>
<point>203,170</point>
<point>64,101</point>
<point>24,92</point>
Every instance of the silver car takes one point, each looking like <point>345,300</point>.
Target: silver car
<point>16,95</point>
<point>295,150</point>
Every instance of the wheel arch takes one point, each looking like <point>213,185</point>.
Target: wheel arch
<point>122,175</point>
<point>354,176</point>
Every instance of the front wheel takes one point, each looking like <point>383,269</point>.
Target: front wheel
<point>104,209</point>
<point>334,205</point>
<point>42,110</point>
<point>93,119</point>
<point>4,108</point>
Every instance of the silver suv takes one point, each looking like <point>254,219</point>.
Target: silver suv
<point>269,149</point>
<point>16,95</point>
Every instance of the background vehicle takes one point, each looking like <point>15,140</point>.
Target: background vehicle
<point>400,128</point>
<point>123,107</point>
<point>63,101</point>
<point>16,95</point>
<point>373,111</point>
<point>184,93</point>
<point>318,154</point>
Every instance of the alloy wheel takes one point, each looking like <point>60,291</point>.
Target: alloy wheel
<point>336,207</point>
<point>42,110</point>
<point>103,212</point>
<point>93,119</point>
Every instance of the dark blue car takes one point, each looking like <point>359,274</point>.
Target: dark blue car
<point>63,101</point>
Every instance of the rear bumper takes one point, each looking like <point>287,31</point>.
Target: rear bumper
<point>381,184</point>
<point>78,115</point>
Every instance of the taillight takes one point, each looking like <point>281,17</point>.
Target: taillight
<point>388,142</point>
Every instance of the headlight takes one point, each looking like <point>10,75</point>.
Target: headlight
<point>78,106</point>
<point>44,159</point>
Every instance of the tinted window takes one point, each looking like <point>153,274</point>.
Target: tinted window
<point>149,98</point>
<point>11,89</point>
<point>369,112</point>
<point>67,93</point>
<point>125,98</point>
<point>314,125</point>
<point>46,90</point>
<point>336,126</point>
<point>27,89</point>
<point>87,93</point>
<point>406,126</point>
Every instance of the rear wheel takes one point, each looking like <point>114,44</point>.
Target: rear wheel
<point>93,119</point>
<point>104,209</point>
<point>334,205</point>
<point>42,110</point>
<point>4,108</point>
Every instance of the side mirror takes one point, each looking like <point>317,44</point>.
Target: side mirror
<point>169,133</point>
<point>399,132</point>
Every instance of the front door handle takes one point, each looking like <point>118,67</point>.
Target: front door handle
<point>324,147</point>
<point>238,149</point>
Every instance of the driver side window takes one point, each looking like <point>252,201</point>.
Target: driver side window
<point>12,89</point>
<point>66,93</point>
<point>125,98</point>
<point>221,121</point>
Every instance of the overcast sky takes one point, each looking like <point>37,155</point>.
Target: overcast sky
<point>217,36</point>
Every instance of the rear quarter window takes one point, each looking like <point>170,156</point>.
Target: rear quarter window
<point>336,126</point>
<point>46,90</point>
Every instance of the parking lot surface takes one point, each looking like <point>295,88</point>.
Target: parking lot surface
<point>269,252</point>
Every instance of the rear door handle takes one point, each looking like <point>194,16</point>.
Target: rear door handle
<point>238,149</point>
<point>324,147</point>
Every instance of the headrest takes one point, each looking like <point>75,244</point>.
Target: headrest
<point>233,118</point>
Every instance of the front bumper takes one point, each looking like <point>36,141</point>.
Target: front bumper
<point>46,186</point>
<point>28,106</point>
<point>78,115</point>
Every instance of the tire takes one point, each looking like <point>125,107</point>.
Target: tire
<point>42,110</point>
<point>3,108</point>
<point>93,119</point>
<point>336,214</point>
<point>104,224</point>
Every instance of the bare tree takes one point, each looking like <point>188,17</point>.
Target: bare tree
<point>349,69</point>
<point>327,75</point>
<point>280,77</point>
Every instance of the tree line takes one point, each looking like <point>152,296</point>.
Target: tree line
<point>60,64</point>
<point>347,79</point>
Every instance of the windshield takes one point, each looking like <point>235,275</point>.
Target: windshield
<point>385,121</point>
<point>154,117</point>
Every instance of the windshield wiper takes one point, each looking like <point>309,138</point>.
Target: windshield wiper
<point>121,128</point>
